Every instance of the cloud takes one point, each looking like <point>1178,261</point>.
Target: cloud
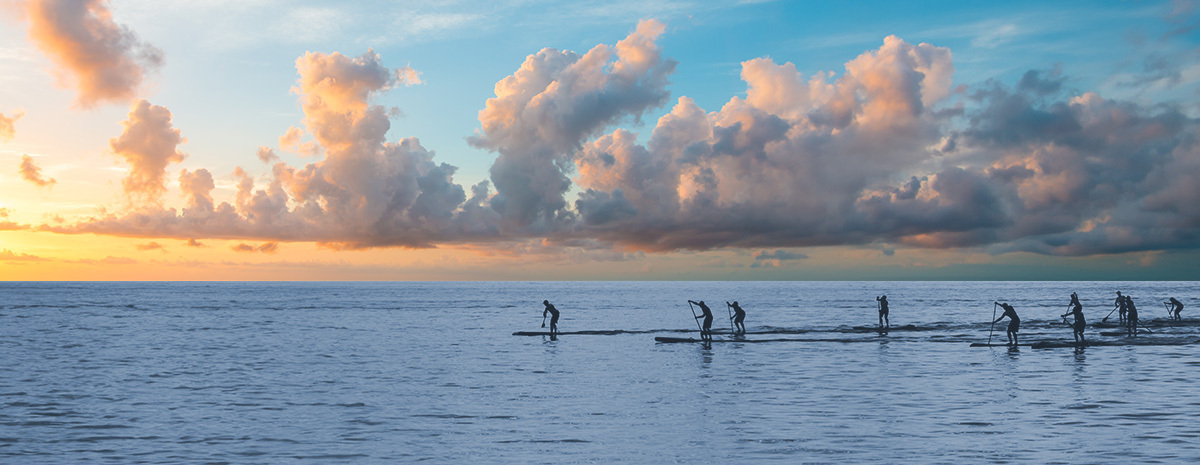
<point>193,243</point>
<point>365,192</point>
<point>543,113</point>
<point>414,25</point>
<point>8,125</point>
<point>105,61</point>
<point>885,152</point>
<point>31,172</point>
<point>10,256</point>
<point>150,246</point>
<point>148,144</point>
<point>776,168</point>
<point>408,76</point>
<point>292,140</point>
<point>775,259</point>
<point>266,155</point>
<point>6,225</point>
<point>267,247</point>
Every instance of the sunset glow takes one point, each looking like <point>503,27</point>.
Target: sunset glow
<point>481,141</point>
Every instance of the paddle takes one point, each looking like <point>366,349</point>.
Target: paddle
<point>696,319</point>
<point>1105,319</point>
<point>543,319</point>
<point>729,308</point>
<point>1168,306</point>
<point>994,304</point>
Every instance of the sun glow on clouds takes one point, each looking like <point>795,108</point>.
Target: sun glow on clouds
<point>103,60</point>
<point>886,151</point>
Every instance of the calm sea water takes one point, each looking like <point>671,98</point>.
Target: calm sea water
<point>408,372</point>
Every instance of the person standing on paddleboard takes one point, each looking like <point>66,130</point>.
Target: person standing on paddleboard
<point>1131,316</point>
<point>739,316</point>
<point>553,316</point>
<point>1079,324</point>
<point>1014,324</point>
<point>883,311</point>
<point>1176,307</point>
<point>706,330</point>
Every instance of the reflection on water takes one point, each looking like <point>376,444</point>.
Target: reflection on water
<point>398,373</point>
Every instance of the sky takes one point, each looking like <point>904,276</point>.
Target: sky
<point>626,140</point>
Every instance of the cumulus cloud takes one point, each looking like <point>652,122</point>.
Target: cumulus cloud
<point>8,125</point>
<point>293,140</point>
<point>103,60</point>
<point>886,152</point>
<point>407,76</point>
<point>266,155</point>
<point>31,172</point>
<point>781,167</point>
<point>148,144</point>
<point>365,192</point>
<point>543,113</point>
<point>809,161</point>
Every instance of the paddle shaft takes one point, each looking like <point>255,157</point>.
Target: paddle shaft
<point>543,319</point>
<point>993,326</point>
<point>729,308</point>
<point>695,317</point>
<point>1105,319</point>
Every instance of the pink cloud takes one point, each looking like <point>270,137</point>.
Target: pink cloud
<point>8,125</point>
<point>148,143</point>
<point>31,172</point>
<point>103,60</point>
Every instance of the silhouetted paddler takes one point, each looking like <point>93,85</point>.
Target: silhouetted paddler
<point>706,330</point>
<point>553,316</point>
<point>1014,324</point>
<point>1176,307</point>
<point>883,311</point>
<point>1079,324</point>
<point>739,316</point>
<point>1131,316</point>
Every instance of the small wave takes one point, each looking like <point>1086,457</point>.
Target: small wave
<point>283,440</point>
<point>329,456</point>
<point>100,427</point>
<point>543,441</point>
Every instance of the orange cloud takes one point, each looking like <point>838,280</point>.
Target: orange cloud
<point>149,143</point>
<point>7,125</point>
<point>31,172</point>
<point>105,60</point>
<point>150,246</point>
<point>268,247</point>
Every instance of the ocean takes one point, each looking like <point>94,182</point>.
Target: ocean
<point>430,372</point>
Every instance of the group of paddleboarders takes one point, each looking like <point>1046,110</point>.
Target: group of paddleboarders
<point>1124,304</point>
<point>737,318</point>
